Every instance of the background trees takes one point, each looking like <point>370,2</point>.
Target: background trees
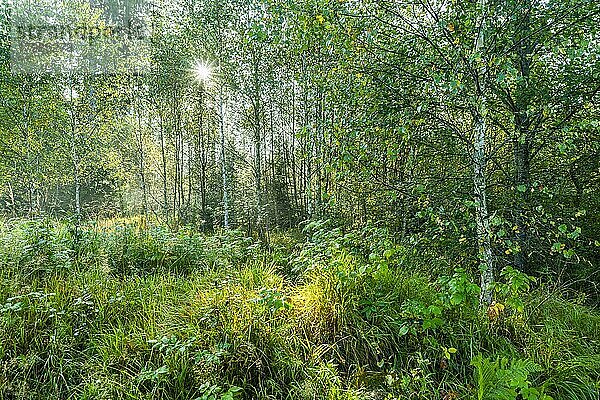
<point>470,127</point>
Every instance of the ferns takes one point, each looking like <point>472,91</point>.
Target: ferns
<point>504,380</point>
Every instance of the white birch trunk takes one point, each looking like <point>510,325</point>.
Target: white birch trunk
<point>223,163</point>
<point>479,167</point>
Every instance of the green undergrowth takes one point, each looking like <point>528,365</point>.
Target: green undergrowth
<point>120,312</point>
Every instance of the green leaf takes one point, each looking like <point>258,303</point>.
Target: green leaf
<point>562,228</point>
<point>457,298</point>
<point>575,234</point>
<point>569,253</point>
<point>556,247</point>
<point>403,330</point>
<point>434,310</point>
<point>432,323</point>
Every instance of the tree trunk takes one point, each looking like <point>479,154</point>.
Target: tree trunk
<point>164,168</point>
<point>522,140</point>
<point>75,156</point>
<point>479,167</point>
<point>141,164</point>
<point>223,163</point>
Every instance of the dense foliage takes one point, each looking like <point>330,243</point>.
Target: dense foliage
<point>218,199</point>
<point>124,312</point>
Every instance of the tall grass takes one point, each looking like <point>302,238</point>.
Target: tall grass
<point>125,311</point>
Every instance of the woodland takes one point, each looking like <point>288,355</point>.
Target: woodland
<point>300,199</point>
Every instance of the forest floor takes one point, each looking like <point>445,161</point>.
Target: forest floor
<point>120,312</point>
